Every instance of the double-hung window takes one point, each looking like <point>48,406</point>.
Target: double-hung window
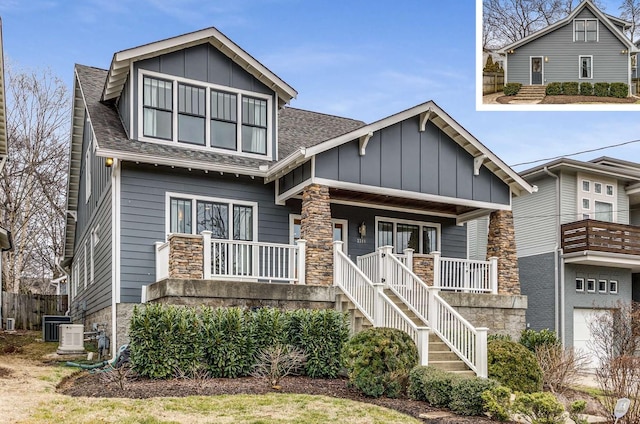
<point>585,30</point>
<point>199,113</point>
<point>586,67</point>
<point>421,237</point>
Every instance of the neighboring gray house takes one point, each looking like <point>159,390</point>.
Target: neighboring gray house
<point>192,182</point>
<point>586,46</point>
<point>578,241</point>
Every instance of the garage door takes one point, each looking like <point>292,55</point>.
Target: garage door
<point>582,339</point>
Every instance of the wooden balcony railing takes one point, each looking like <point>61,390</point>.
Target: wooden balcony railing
<point>600,236</point>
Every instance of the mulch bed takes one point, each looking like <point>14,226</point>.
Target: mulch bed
<point>93,385</point>
<point>561,100</point>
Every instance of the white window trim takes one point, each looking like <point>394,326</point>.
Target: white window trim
<point>84,279</point>
<point>345,233</point>
<point>606,283</point>
<point>207,136</point>
<point>87,174</point>
<point>396,221</point>
<point>616,285</point>
<point>581,280</point>
<point>591,280</point>
<point>580,77</point>
<point>194,212</point>
<point>585,30</point>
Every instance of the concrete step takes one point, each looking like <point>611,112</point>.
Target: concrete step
<point>450,365</point>
<point>442,356</point>
<point>466,373</point>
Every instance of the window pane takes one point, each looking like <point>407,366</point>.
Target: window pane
<point>254,140</point>
<point>191,100</point>
<point>158,93</point>
<point>254,112</point>
<point>213,217</point>
<point>585,203</point>
<point>296,229</point>
<point>407,236</point>
<point>585,186</point>
<point>385,234</point>
<point>191,129</point>
<point>337,232</point>
<point>591,25</point>
<point>579,25</point>
<point>585,67</point>
<point>180,216</point>
<point>242,223</point>
<point>223,106</point>
<point>157,123</point>
<point>429,241</point>
<point>579,284</point>
<point>609,190</point>
<point>597,188</point>
<point>604,211</point>
<point>223,134</point>
<point>592,35</point>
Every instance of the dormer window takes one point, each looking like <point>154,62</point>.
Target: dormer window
<point>585,30</point>
<point>217,118</point>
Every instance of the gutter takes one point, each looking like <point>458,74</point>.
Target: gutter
<point>558,283</point>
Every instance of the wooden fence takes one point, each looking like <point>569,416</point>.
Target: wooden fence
<point>28,309</point>
<point>492,82</point>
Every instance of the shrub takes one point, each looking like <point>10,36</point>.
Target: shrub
<point>378,361</point>
<point>570,88</point>
<point>499,337</point>
<point>322,335</point>
<point>466,395</point>
<point>511,88</point>
<point>539,408</point>
<point>275,362</point>
<point>497,403</point>
<point>431,385</point>
<point>619,90</point>
<point>601,89</point>
<point>514,365</point>
<point>531,339</point>
<point>554,89</point>
<point>586,89</point>
<point>560,367</point>
<point>576,409</point>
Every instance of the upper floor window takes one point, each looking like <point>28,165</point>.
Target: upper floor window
<point>585,30</point>
<point>205,114</point>
<point>596,199</point>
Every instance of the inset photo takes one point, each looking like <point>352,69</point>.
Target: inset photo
<point>558,55</point>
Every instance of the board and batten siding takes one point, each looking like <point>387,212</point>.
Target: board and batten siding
<point>143,209</point>
<point>124,106</point>
<point>207,64</point>
<point>609,64</point>
<point>402,157</point>
<point>534,218</point>
<point>97,294</point>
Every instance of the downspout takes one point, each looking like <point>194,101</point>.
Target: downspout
<point>558,283</point>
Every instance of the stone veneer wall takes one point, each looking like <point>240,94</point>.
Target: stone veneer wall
<point>501,314</point>
<point>501,243</point>
<point>423,268</point>
<point>186,256</point>
<point>317,230</point>
<point>123,319</point>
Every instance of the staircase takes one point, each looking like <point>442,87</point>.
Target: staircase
<point>531,93</point>
<point>440,355</point>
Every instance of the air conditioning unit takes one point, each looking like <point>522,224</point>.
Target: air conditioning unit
<point>71,339</point>
<point>11,324</point>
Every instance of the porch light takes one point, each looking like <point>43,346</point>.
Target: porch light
<point>108,162</point>
<point>546,59</point>
<point>362,230</point>
<point>625,51</point>
<point>511,51</point>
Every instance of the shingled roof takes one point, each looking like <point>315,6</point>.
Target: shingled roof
<point>297,128</point>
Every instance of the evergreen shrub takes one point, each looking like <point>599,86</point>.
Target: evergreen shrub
<point>513,365</point>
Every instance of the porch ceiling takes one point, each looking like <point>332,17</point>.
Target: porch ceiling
<point>350,196</point>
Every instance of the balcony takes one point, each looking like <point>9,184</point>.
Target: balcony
<point>592,242</point>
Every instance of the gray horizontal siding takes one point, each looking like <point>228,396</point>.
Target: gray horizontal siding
<point>569,198</point>
<point>477,233</point>
<point>403,158</point>
<point>143,203</point>
<point>534,218</point>
<point>609,65</point>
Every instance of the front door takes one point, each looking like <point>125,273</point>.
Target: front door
<point>536,70</point>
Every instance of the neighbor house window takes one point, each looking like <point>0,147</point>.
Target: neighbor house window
<point>196,112</point>
<point>591,285</point>
<point>585,30</point>
<point>158,108</point>
<point>419,236</point>
<point>226,219</point>
<point>597,198</point>
<point>586,70</point>
<point>613,286</point>
<point>609,190</point>
<point>580,284</point>
<point>597,188</point>
<point>602,286</point>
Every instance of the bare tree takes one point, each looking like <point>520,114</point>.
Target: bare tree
<point>32,190</point>
<point>507,21</point>
<point>630,11</point>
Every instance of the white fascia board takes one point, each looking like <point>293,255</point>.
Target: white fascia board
<point>180,163</point>
<point>285,165</point>
<point>595,258</point>
<point>213,36</point>
<point>585,167</point>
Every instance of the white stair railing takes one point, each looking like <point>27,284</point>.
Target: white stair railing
<point>354,283</point>
<point>465,275</point>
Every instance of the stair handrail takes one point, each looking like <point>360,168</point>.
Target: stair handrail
<point>362,296</point>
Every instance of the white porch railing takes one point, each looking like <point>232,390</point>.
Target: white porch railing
<point>162,260</point>
<point>465,275</point>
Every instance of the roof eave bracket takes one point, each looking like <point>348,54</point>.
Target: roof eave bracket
<point>424,118</point>
<point>364,140</point>
<point>477,163</point>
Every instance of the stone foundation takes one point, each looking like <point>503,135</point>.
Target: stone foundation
<point>501,243</point>
<point>123,319</point>
<point>423,268</point>
<point>502,314</point>
<point>103,316</point>
<point>186,256</point>
<point>317,230</point>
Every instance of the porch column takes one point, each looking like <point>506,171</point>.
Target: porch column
<point>186,256</point>
<point>317,230</point>
<point>501,243</point>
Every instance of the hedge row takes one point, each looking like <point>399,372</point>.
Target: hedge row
<point>600,89</point>
<point>164,339</point>
<point>463,395</point>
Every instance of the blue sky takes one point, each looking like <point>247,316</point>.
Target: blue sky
<point>354,58</point>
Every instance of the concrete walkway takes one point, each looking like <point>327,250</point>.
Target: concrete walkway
<point>490,99</point>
